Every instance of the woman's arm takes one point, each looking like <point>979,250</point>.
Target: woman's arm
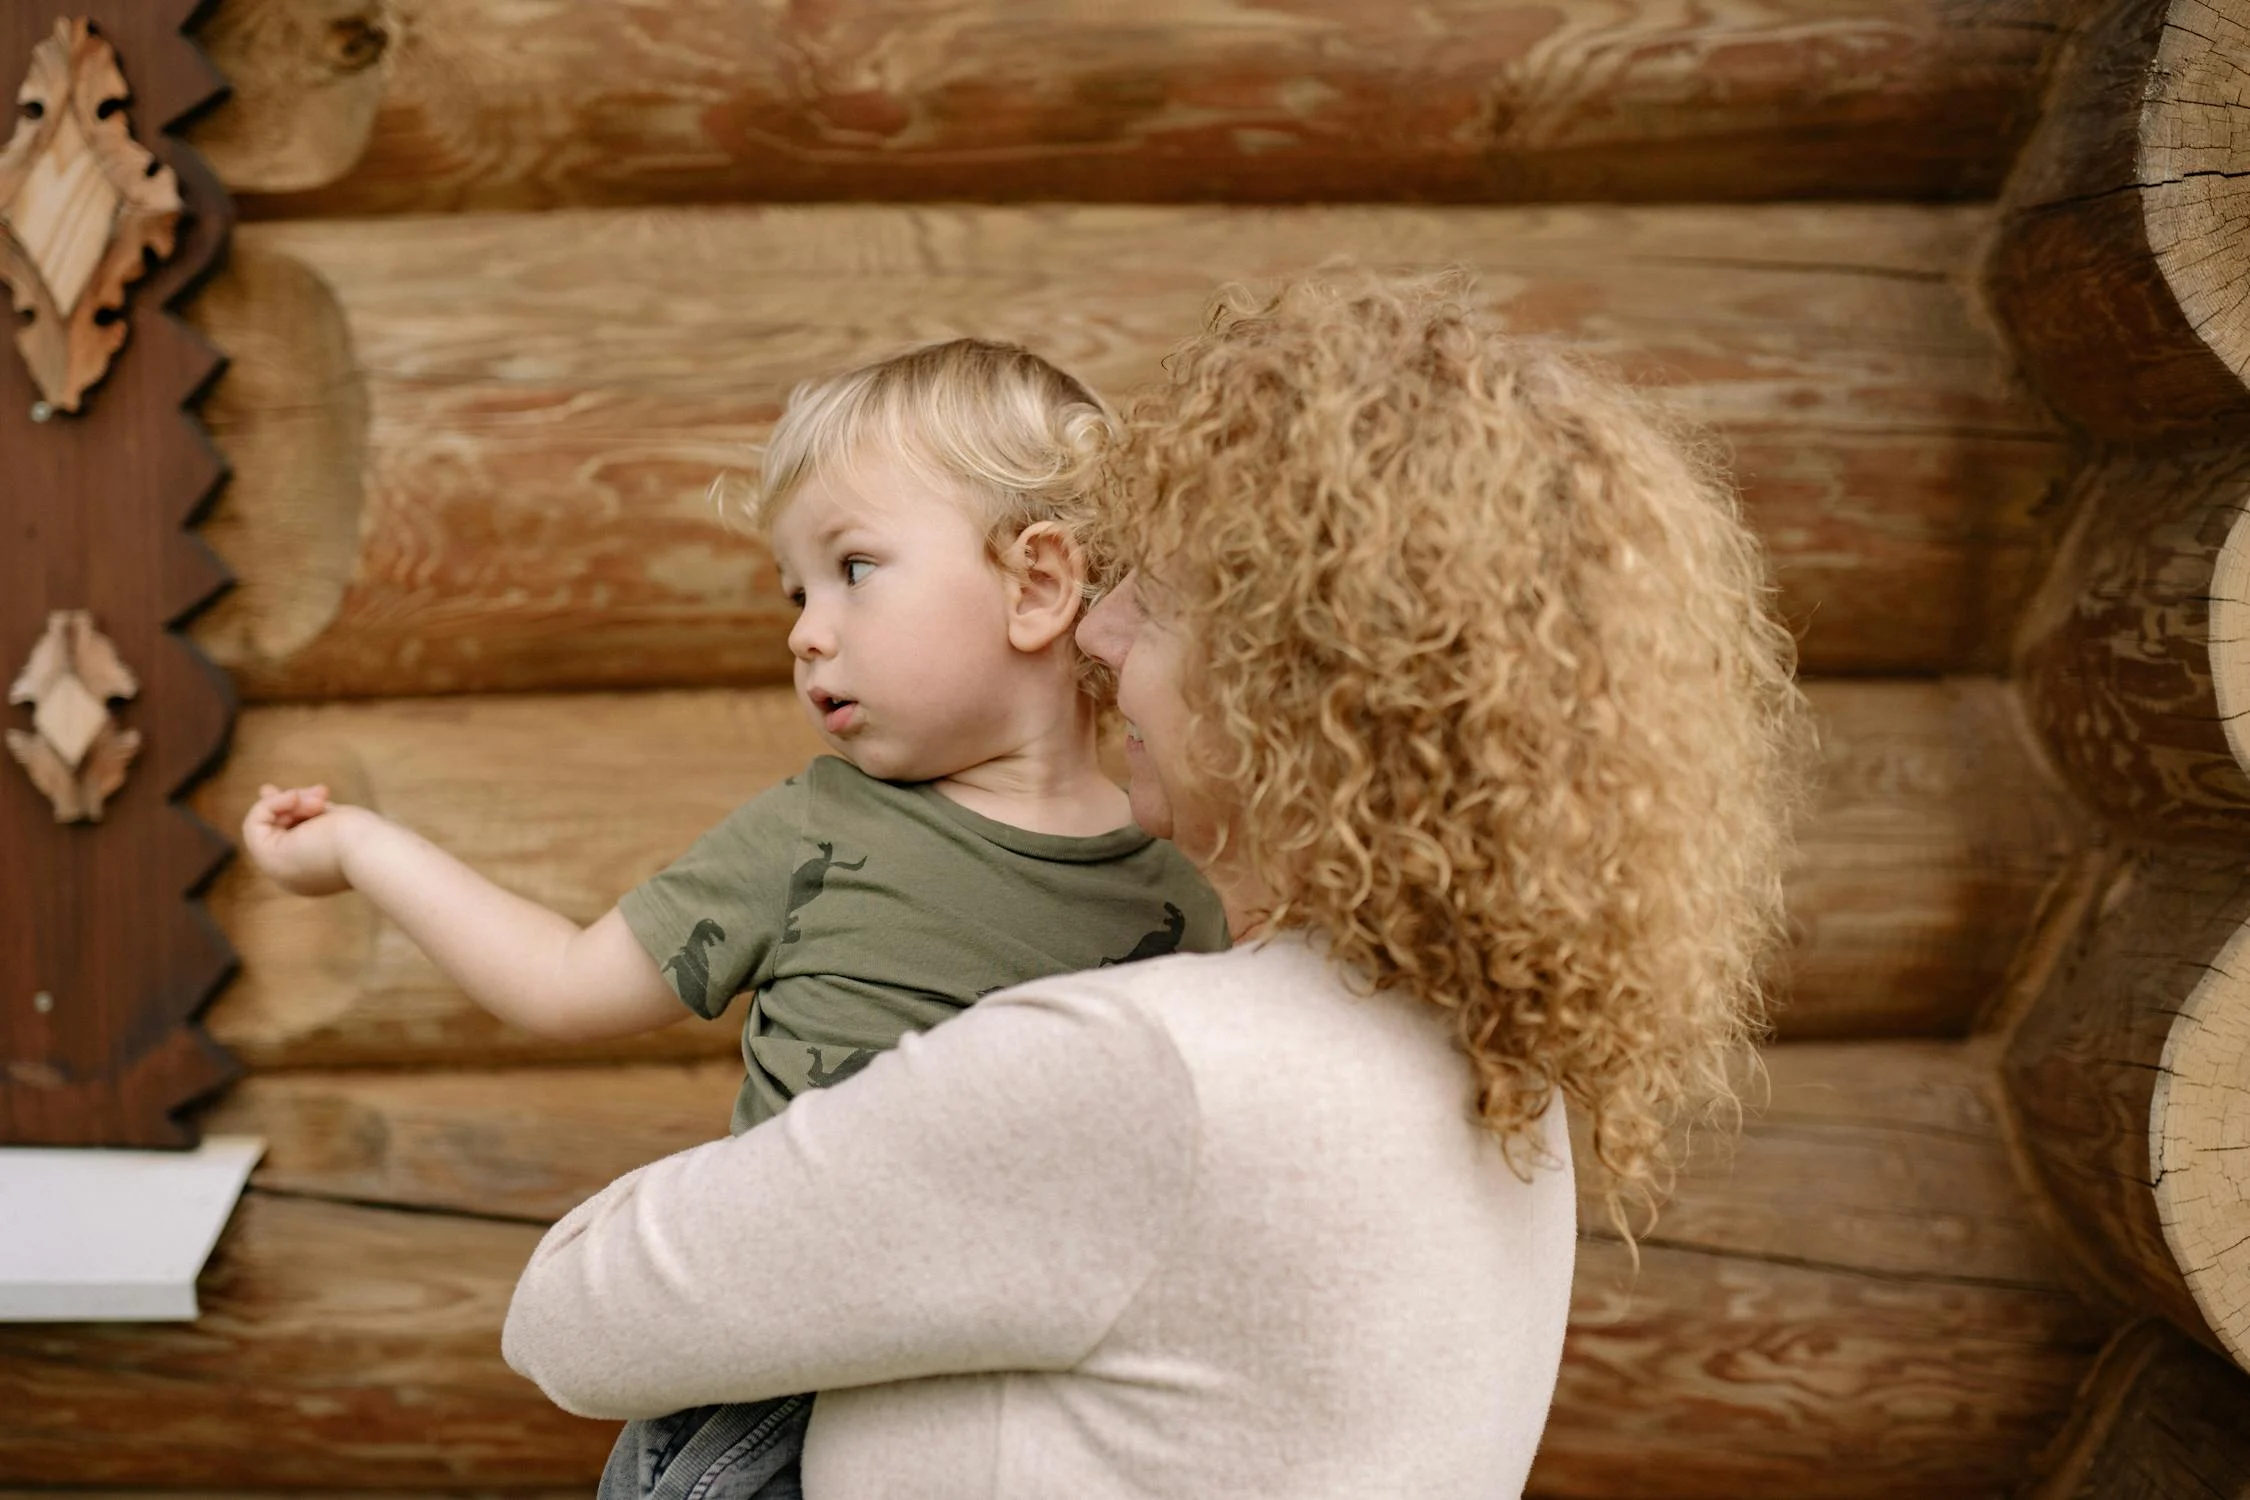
<point>530,966</point>
<point>988,1197</point>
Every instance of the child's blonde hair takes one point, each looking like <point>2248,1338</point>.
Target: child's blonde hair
<point>1014,434</point>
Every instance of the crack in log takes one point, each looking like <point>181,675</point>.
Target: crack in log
<point>1829,1267</point>
<point>427,1210</point>
<point>1821,268</point>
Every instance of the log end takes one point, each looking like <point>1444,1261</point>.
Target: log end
<point>2199,1121</point>
<point>290,415</point>
<point>2195,171</point>
<point>2122,254</point>
<point>307,79</point>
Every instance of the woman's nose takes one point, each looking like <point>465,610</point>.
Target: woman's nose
<point>1106,633</point>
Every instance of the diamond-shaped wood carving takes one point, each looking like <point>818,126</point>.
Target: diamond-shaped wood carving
<point>75,752</point>
<point>84,209</point>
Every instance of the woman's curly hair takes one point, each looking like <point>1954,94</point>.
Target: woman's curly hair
<point>1485,641</point>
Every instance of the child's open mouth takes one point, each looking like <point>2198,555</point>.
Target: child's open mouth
<point>836,714</point>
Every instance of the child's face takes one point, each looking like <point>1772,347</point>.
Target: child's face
<point>901,641</point>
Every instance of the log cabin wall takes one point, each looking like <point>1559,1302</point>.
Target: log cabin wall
<point>515,280</point>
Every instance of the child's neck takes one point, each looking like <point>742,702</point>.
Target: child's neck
<point>1051,783</point>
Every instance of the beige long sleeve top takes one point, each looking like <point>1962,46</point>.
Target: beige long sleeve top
<point>1204,1226</point>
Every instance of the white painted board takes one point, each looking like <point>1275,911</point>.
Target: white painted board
<point>89,1234</point>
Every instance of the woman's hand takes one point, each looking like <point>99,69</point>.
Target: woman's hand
<point>297,837</point>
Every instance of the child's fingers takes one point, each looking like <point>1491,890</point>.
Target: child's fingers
<point>278,810</point>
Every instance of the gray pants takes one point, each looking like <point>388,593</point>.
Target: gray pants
<point>743,1452</point>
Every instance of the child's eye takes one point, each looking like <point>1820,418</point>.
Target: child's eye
<point>856,570</point>
<point>796,597</point>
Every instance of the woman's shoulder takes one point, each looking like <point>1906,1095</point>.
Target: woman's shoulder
<point>1257,1010</point>
<point>1179,987</point>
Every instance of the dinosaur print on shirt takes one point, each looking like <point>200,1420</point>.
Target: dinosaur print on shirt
<point>1165,939</point>
<point>809,879</point>
<point>690,970</point>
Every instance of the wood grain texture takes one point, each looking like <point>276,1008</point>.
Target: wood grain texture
<point>1919,873</point>
<point>86,207</point>
<point>339,1346</point>
<point>2157,1418</point>
<point>1854,1302</point>
<point>548,398</point>
<point>1934,838</point>
<point>1885,1157</point>
<point>290,413</point>
<point>1718,1378</point>
<point>2129,1082</point>
<point>1856,1298</point>
<point>2118,658</point>
<point>2119,267</point>
<point>375,106</point>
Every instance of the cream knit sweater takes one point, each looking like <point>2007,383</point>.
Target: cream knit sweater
<point>1200,1227</point>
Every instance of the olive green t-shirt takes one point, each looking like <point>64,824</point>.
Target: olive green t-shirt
<point>854,910</point>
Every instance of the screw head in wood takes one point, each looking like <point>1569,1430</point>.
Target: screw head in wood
<point>43,1002</point>
<point>41,411</point>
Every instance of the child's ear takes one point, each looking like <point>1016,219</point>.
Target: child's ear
<point>1046,573</point>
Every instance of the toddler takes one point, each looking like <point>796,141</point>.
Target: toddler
<point>961,839</point>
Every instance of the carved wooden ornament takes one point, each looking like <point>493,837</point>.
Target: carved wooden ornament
<point>84,209</point>
<point>76,753</point>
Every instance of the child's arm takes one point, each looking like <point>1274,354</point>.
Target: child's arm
<point>529,966</point>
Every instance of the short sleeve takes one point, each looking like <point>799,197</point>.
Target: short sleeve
<point>990,1196</point>
<point>711,918</point>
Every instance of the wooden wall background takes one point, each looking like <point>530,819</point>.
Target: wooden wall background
<point>517,276</point>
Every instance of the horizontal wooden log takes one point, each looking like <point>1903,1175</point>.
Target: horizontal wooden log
<point>546,399</point>
<point>1916,879</point>
<point>2121,258</point>
<point>1701,1378</point>
<point>2157,1418</point>
<point>372,106</point>
<point>2135,654</point>
<point>1854,1302</point>
<point>2130,1082</point>
<point>340,1346</point>
<point>1923,863</point>
<point>1857,1298</point>
<point>1884,1157</point>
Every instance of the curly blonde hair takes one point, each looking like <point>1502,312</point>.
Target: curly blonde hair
<point>1485,637</point>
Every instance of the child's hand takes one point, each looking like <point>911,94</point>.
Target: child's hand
<point>296,837</point>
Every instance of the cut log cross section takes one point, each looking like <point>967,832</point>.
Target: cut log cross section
<point>2123,263</point>
<point>2122,269</point>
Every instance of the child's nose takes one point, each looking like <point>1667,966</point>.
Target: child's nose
<point>810,637</point>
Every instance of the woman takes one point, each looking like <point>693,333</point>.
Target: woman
<point>1452,670</point>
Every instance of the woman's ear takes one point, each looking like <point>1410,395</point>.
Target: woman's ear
<point>1046,575</point>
